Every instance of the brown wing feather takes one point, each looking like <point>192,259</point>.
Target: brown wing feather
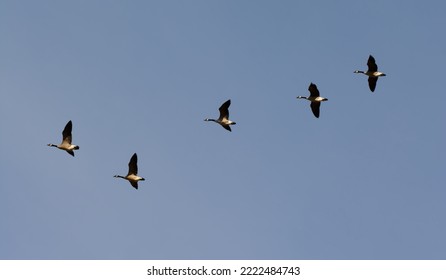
<point>372,64</point>
<point>134,184</point>
<point>315,108</point>
<point>66,133</point>
<point>372,83</point>
<point>227,127</point>
<point>224,110</point>
<point>133,165</point>
<point>314,92</point>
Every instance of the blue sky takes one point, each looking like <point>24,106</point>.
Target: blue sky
<point>364,181</point>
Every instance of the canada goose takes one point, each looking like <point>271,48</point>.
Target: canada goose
<point>223,120</point>
<point>132,176</point>
<point>372,72</point>
<point>314,98</point>
<point>66,140</point>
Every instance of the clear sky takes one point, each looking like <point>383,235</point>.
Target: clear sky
<point>364,181</point>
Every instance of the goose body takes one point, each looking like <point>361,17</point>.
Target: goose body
<point>315,99</point>
<point>372,73</point>
<point>132,175</point>
<point>66,140</point>
<point>223,120</point>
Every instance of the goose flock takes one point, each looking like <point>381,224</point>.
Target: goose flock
<point>315,99</point>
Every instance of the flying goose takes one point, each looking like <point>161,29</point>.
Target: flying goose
<point>66,140</point>
<point>132,176</point>
<point>314,98</point>
<point>223,120</point>
<point>372,72</point>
